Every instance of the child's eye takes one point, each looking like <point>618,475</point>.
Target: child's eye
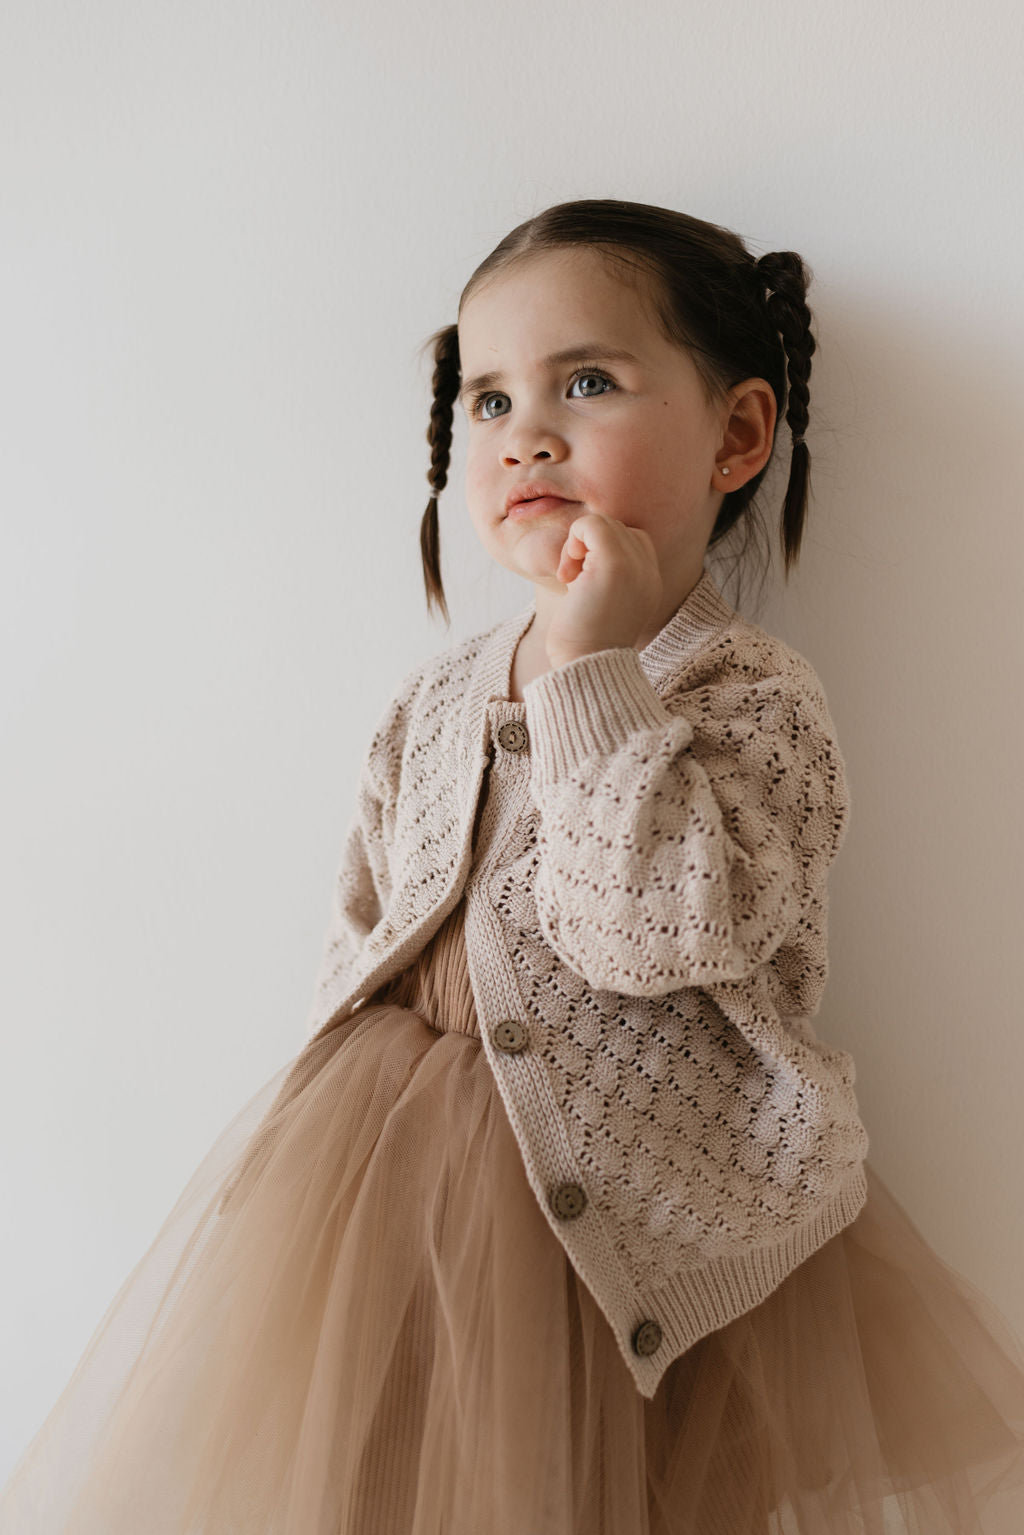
<point>584,371</point>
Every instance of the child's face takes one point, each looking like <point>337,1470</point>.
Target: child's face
<point>642,452</point>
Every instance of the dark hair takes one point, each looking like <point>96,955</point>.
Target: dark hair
<point>710,295</point>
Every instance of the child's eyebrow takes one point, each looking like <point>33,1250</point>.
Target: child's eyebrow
<point>595,350</point>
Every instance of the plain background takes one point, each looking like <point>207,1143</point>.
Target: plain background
<point>226,229</point>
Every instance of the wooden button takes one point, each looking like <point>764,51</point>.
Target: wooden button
<point>509,1035</point>
<point>647,1338</point>
<point>568,1201</point>
<point>513,735</point>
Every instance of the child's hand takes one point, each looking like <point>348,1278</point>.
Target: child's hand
<point>612,585</point>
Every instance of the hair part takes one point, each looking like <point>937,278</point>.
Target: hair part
<point>736,315</point>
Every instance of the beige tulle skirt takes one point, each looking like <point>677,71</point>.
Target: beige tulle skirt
<point>357,1321</point>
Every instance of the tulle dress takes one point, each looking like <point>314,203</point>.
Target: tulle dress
<point>357,1321</point>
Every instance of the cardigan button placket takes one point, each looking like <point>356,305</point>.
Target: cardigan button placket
<point>505,787</point>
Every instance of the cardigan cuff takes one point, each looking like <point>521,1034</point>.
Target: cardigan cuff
<point>589,707</point>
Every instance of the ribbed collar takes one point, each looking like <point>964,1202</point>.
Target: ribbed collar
<point>696,620</point>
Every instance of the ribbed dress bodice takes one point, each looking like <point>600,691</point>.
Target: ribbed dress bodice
<point>437,985</point>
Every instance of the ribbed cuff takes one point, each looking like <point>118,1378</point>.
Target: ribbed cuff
<point>589,707</point>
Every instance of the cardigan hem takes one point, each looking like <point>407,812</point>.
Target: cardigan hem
<point>699,1301</point>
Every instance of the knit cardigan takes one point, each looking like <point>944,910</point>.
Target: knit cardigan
<point>643,846</point>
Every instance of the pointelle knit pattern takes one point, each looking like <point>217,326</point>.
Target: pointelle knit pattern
<point>643,845</point>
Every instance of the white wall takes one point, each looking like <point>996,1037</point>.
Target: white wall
<point>225,231</point>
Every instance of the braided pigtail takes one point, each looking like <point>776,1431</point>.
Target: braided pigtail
<point>445,383</point>
<point>786,277</point>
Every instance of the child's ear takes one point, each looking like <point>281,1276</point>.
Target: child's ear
<point>750,414</point>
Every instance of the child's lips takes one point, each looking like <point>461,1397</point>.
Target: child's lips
<point>523,509</point>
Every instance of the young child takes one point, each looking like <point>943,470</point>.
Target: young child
<point>560,1223</point>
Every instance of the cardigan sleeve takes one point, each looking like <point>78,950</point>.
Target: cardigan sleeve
<point>680,839</point>
<point>362,884</point>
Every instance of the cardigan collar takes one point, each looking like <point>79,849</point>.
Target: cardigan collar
<point>696,620</point>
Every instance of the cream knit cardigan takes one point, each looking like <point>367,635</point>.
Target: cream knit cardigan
<point>643,845</point>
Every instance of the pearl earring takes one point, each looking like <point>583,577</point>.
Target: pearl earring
<point>725,469</point>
